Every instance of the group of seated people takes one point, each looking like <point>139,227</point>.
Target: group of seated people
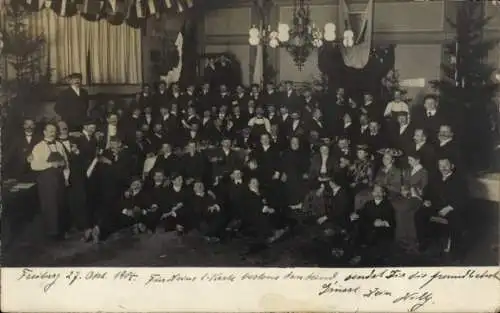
<point>260,164</point>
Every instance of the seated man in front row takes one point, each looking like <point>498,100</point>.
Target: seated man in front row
<point>375,226</point>
<point>444,199</point>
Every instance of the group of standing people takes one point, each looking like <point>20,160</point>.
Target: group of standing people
<point>254,162</point>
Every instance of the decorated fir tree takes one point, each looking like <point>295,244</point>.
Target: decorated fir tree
<point>28,81</point>
<point>467,88</point>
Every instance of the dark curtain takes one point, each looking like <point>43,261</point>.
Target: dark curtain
<point>357,81</point>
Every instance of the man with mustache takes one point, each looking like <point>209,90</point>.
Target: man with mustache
<point>72,105</point>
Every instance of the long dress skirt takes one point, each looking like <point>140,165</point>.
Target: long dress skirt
<point>406,235</point>
<point>51,193</point>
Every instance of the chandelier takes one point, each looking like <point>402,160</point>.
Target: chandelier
<point>301,38</point>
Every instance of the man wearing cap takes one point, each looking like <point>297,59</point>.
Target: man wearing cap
<point>72,104</point>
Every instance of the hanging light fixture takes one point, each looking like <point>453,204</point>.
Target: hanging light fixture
<point>301,37</point>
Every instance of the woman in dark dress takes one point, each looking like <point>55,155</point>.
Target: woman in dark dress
<point>294,168</point>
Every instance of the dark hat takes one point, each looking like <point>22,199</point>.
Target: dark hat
<point>391,151</point>
<point>134,179</point>
<point>89,121</point>
<point>75,76</point>
<point>414,154</point>
<point>362,147</point>
<point>175,175</point>
<point>225,137</point>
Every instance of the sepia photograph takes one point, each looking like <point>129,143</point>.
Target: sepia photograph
<point>250,134</point>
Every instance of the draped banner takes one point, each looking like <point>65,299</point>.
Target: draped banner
<point>133,12</point>
<point>358,55</point>
<point>258,69</point>
<point>174,75</point>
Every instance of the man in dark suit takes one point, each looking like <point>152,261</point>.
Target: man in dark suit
<point>240,97</point>
<point>167,161</point>
<point>338,206</point>
<point>444,200</point>
<point>317,123</point>
<point>430,117</point>
<point>447,146</point>
<point>375,139</point>
<point>290,98</point>
<point>371,109</point>
<point>270,96</point>
<point>425,150</point>
<point>146,96</point>
<point>72,104</point>
<point>268,159</point>
<point>205,99</point>
<point>224,160</point>
<point>223,98</point>
<point>310,102</point>
<point>188,99</point>
<point>160,98</point>
<point>18,155</point>
<point>402,133</point>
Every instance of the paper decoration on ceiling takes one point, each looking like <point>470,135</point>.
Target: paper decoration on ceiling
<point>132,12</point>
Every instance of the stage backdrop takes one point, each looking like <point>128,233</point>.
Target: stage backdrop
<point>102,52</point>
<point>418,30</point>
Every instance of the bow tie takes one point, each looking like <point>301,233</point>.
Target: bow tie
<point>50,142</point>
<point>238,182</point>
<point>430,114</point>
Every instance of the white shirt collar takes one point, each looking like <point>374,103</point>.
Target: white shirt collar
<point>444,142</point>
<point>336,190</point>
<point>265,148</point>
<point>377,202</point>
<point>415,169</point>
<point>76,90</point>
<point>402,128</point>
<point>447,176</point>
<point>419,145</point>
<point>177,189</point>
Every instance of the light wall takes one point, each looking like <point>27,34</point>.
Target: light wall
<point>417,28</point>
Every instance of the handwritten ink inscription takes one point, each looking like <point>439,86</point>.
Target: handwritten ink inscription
<point>414,290</point>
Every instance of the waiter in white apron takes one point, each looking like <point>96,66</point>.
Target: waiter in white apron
<point>51,164</point>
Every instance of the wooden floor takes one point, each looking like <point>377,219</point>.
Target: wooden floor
<point>167,249</point>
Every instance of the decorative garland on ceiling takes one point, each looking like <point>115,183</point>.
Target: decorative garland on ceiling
<point>116,12</point>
